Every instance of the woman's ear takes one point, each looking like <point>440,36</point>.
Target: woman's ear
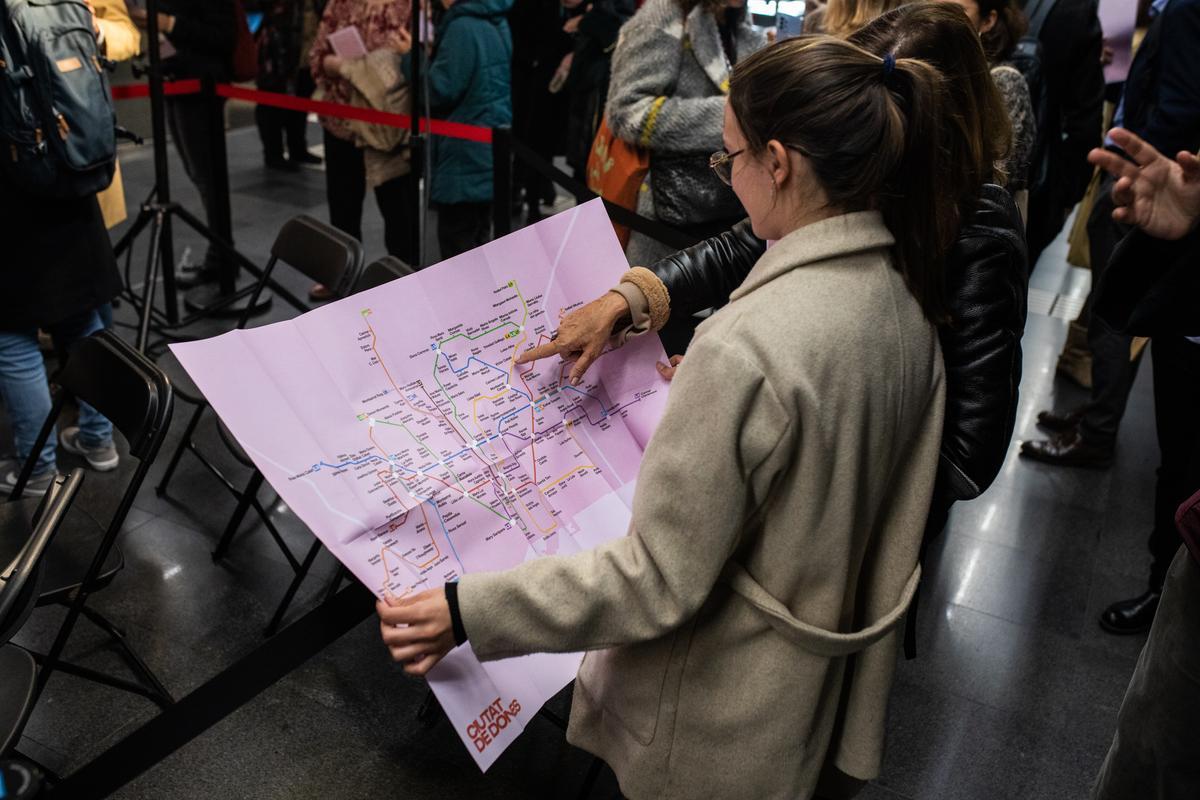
<point>778,163</point>
<point>988,22</point>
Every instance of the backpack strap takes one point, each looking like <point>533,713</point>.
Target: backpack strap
<point>1036,12</point>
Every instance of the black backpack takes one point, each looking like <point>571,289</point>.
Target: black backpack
<point>1027,59</point>
<point>56,115</point>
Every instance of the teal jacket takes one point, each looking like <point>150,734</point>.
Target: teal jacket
<point>470,81</point>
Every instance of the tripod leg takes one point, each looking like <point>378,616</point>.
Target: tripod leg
<point>153,264</point>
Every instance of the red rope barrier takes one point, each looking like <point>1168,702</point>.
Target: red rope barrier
<point>134,90</point>
<point>437,127</point>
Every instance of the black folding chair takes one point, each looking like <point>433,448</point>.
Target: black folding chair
<point>135,395</point>
<point>381,271</point>
<point>322,254</point>
<point>19,584</point>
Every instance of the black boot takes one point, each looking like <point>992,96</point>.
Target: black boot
<point>1134,615</point>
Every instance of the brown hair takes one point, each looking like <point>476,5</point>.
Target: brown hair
<point>977,135</point>
<point>1011,25</point>
<point>844,17</point>
<point>869,129</point>
<point>714,7</point>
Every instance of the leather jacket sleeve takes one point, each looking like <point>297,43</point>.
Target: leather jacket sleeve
<point>987,269</point>
<point>704,275</point>
<point>982,346</point>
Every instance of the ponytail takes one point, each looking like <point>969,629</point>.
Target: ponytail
<point>871,129</point>
<point>918,200</point>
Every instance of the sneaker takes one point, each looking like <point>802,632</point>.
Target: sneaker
<point>36,486</point>
<point>102,458</point>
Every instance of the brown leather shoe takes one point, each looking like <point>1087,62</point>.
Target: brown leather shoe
<point>1068,449</point>
<point>1060,422</point>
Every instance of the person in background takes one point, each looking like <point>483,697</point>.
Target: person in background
<point>844,17</point>
<point>380,24</point>
<point>1150,289</point>
<point>279,57</point>
<point>595,37</point>
<point>1161,104</point>
<point>541,42</point>
<point>670,74</point>
<point>58,273</point>
<point>470,81</point>
<point>1001,24</point>
<point>791,555</point>
<point>201,34</point>
<point>1073,80</point>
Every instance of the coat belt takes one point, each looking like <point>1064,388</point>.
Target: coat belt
<point>815,640</point>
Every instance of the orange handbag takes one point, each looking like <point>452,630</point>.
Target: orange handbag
<point>616,170</point>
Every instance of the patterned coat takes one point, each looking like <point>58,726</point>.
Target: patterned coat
<point>378,22</point>
<point>667,93</point>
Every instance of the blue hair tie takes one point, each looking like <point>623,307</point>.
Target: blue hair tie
<point>889,64</point>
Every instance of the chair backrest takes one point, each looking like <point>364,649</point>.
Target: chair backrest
<point>320,252</point>
<point>123,385</point>
<point>381,271</point>
<point>18,584</point>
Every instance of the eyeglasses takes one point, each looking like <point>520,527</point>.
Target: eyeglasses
<point>721,163</point>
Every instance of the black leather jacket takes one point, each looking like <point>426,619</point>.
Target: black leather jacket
<point>987,269</point>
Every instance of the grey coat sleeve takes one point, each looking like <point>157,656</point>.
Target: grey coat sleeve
<point>641,109</point>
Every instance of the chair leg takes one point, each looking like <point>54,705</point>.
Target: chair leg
<point>293,587</point>
<point>159,693</point>
<point>161,489</point>
<point>341,574</point>
<point>239,514</point>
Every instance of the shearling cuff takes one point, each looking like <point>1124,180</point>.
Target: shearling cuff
<point>655,292</point>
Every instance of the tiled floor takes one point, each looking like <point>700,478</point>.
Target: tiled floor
<point>1014,693</point>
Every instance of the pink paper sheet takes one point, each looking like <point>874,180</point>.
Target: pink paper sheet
<point>395,425</point>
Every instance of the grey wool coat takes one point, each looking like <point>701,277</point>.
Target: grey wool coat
<point>744,633</point>
<point>670,76</point>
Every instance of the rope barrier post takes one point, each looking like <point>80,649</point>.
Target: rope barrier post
<point>219,182</point>
<point>501,181</point>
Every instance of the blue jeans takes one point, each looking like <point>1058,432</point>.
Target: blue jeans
<point>26,391</point>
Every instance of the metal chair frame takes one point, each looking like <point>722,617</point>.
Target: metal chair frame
<point>311,248</point>
<point>144,428</point>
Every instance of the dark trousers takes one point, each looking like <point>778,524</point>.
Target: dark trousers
<point>1177,419</point>
<point>1155,752</point>
<point>1046,219</point>
<point>276,124</point>
<point>345,187</point>
<point>191,121</point>
<point>1113,372</point>
<point>463,227</point>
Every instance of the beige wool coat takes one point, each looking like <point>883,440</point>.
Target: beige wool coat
<point>745,632</point>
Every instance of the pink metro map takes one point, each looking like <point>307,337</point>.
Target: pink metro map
<point>396,425</point>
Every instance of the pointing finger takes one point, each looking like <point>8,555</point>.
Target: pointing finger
<point>541,351</point>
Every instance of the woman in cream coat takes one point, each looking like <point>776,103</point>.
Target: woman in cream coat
<point>742,636</point>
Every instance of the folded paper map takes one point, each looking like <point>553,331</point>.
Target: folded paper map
<point>395,424</point>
